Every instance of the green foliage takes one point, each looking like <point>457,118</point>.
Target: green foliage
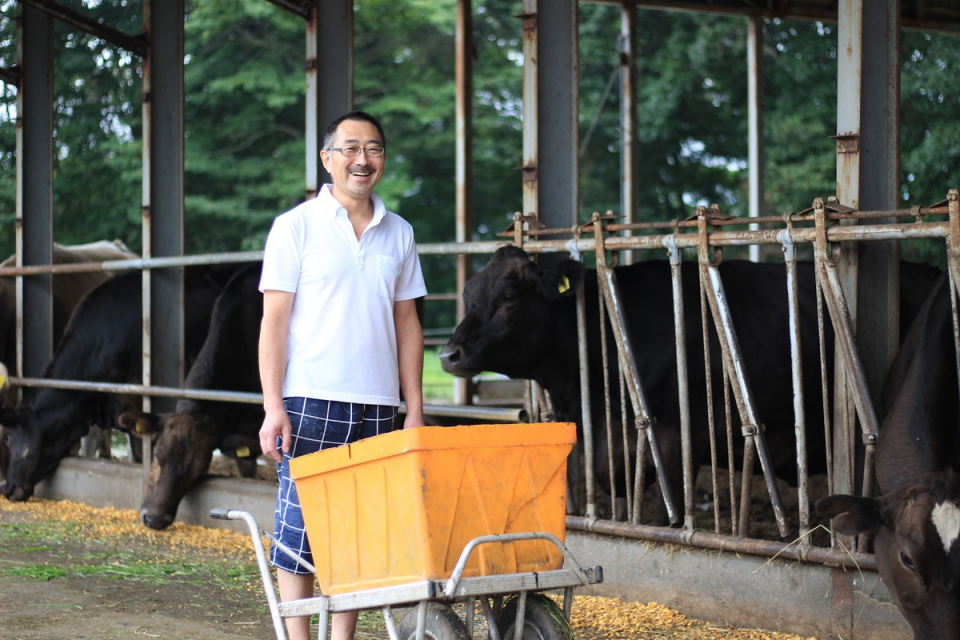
<point>244,157</point>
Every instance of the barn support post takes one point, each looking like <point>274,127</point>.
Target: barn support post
<point>34,215</point>
<point>529,167</point>
<point>868,157</point>
<point>629,146</point>
<point>755,145</point>
<point>464,152</point>
<point>328,66</point>
<point>558,80</point>
<point>163,200</point>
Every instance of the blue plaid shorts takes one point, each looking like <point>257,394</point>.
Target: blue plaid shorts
<point>317,424</point>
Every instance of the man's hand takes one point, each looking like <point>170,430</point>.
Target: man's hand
<point>413,420</point>
<point>276,423</point>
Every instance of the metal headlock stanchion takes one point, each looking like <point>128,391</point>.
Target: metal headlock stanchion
<point>751,427</point>
<point>796,369</point>
<point>845,340</point>
<point>607,282</point>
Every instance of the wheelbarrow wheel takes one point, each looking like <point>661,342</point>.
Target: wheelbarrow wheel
<point>543,620</point>
<point>443,623</point>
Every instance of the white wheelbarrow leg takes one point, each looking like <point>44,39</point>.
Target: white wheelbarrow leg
<point>230,514</point>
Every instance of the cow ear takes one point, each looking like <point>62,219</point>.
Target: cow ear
<point>852,515</point>
<point>562,278</point>
<point>14,417</point>
<point>139,424</point>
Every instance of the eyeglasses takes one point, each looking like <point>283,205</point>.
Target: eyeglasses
<point>353,151</point>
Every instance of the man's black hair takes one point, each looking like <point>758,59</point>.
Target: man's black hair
<point>353,115</point>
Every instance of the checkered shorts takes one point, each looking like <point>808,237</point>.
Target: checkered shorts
<point>317,424</point>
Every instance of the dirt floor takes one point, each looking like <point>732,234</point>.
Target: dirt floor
<point>69,570</point>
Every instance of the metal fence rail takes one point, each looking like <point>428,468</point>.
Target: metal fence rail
<point>705,235</point>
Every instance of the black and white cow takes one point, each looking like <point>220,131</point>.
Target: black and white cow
<point>917,516</point>
<point>521,321</point>
<point>102,342</point>
<point>186,439</point>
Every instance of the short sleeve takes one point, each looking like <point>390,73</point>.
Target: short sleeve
<point>410,282</point>
<point>281,256</point>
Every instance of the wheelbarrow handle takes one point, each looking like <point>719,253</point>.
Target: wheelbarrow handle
<point>220,514</point>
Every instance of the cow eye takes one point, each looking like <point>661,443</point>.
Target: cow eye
<point>907,562</point>
<point>509,296</point>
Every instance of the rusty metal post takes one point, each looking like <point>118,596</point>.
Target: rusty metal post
<point>629,145</point>
<point>464,152</point>
<point>953,262</point>
<point>847,354</point>
<point>868,164</point>
<point>755,144</point>
<point>530,108</point>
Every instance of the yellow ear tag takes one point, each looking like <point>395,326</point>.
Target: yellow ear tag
<point>565,285</point>
<point>243,452</point>
<point>141,427</point>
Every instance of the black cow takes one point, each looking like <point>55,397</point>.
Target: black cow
<point>102,342</point>
<point>227,361</point>
<point>68,290</point>
<point>186,440</point>
<point>917,517</point>
<point>521,322</point>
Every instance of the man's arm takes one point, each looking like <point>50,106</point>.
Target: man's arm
<point>410,358</point>
<point>274,330</point>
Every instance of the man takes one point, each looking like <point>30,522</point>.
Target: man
<point>340,334</point>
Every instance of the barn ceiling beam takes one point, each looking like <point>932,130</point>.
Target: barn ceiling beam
<point>300,8</point>
<point>918,16</point>
<point>134,44</point>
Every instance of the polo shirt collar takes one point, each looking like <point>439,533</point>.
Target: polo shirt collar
<point>330,204</point>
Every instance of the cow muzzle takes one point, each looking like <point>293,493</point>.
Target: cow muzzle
<point>16,492</point>
<point>451,360</point>
<point>156,522</point>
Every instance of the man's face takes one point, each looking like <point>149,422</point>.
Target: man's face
<point>358,175</point>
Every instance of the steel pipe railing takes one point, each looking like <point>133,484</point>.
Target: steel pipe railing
<point>676,241</point>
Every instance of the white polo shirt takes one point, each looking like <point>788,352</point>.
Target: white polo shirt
<point>342,343</point>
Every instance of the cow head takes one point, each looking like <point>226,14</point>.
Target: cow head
<point>36,443</point>
<point>182,451</point>
<point>511,317</point>
<point>917,548</point>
